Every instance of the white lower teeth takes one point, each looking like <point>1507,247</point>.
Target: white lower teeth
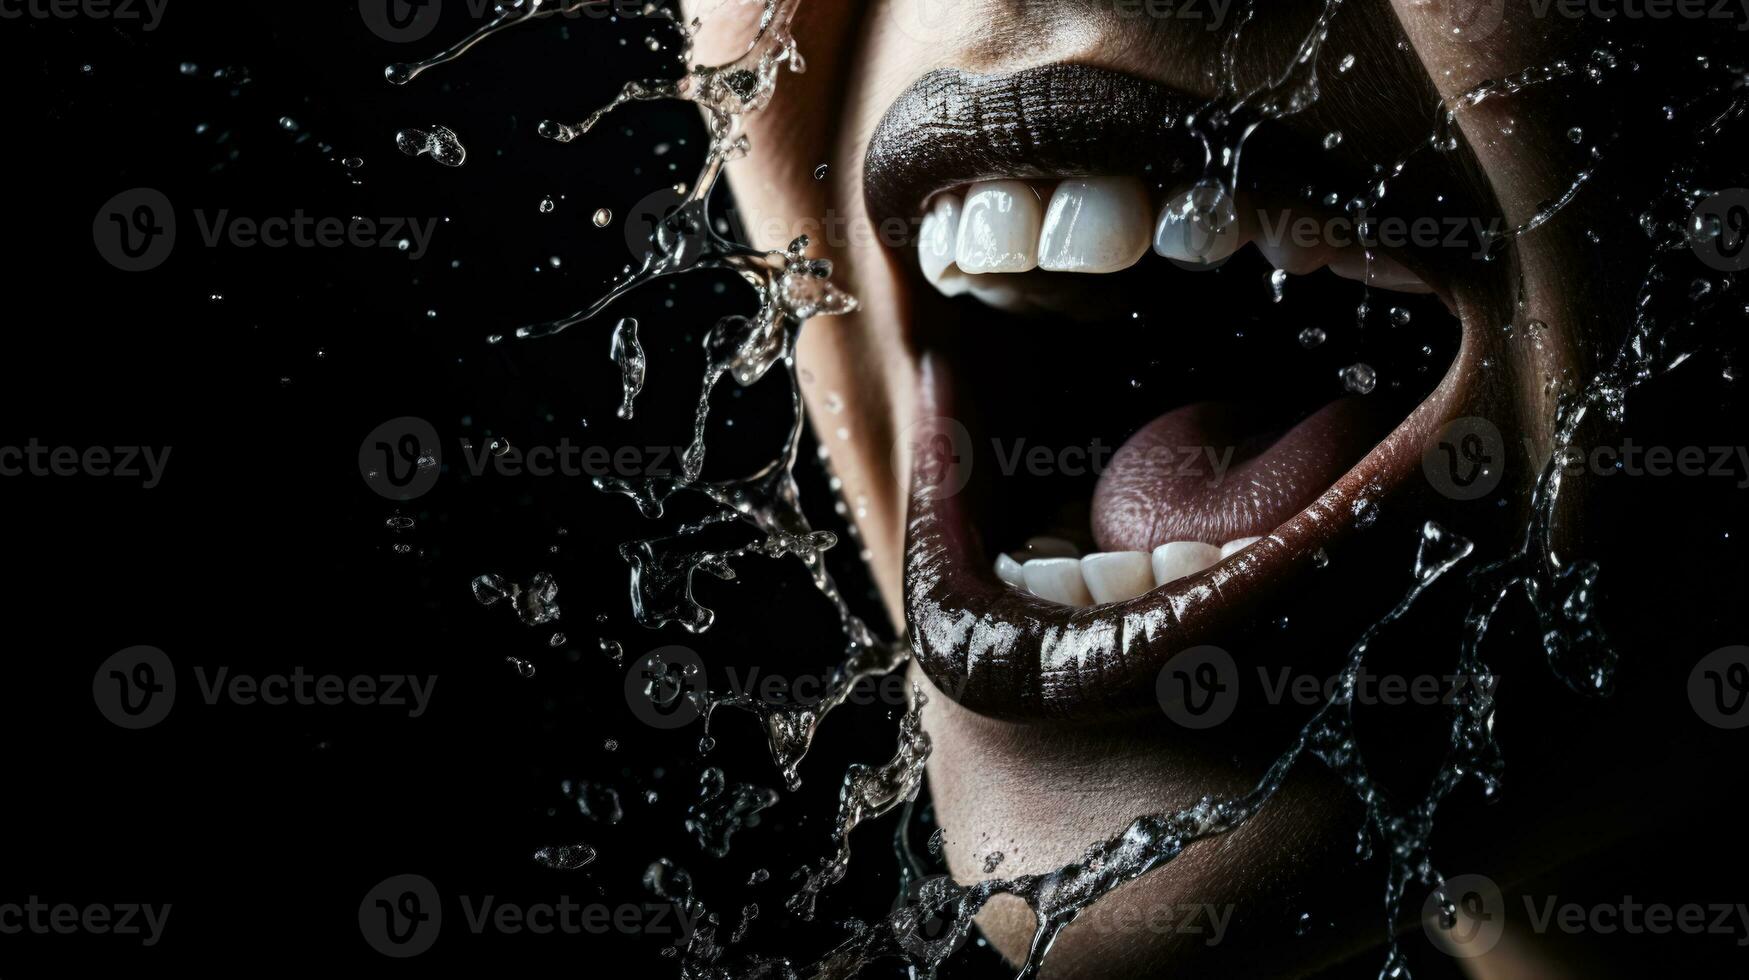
<point>1176,559</point>
<point>1057,579</point>
<point>1108,576</point>
<point>1234,547</point>
<point>1114,576</point>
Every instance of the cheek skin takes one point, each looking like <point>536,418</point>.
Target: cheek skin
<point>855,364</point>
<point>1551,271</point>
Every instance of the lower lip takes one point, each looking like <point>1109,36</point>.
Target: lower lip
<point>1008,654</point>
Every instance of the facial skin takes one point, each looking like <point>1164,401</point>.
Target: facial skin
<point>1041,795</point>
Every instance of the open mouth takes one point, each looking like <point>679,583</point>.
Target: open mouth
<point>1138,423</point>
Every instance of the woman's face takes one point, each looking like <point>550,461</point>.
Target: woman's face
<point>1078,441</point>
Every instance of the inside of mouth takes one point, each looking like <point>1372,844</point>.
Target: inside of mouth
<point>1176,408</point>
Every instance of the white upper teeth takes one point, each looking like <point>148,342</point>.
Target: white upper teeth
<point>1111,576</point>
<point>1101,225</point>
<point>1095,224</point>
<point>1176,559</point>
<point>999,228</point>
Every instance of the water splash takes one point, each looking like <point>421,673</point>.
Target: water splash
<point>535,604</point>
<point>720,811</point>
<point>629,355</point>
<point>440,143</point>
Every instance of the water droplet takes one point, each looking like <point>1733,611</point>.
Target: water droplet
<point>440,143</point>
<point>602,217</point>
<point>1312,337</point>
<point>1332,139</point>
<point>629,355</point>
<point>1345,64</point>
<point>547,204</point>
<point>1575,134</point>
<point>1278,284</point>
<point>1399,316</point>
<point>1360,378</point>
<point>565,857</point>
<point>820,172</point>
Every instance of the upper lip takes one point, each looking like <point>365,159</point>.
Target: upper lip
<point>952,127</point>
<point>995,649</point>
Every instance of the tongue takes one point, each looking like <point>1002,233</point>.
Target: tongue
<point>1210,472</point>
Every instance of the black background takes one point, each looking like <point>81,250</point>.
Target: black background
<point>263,549</point>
